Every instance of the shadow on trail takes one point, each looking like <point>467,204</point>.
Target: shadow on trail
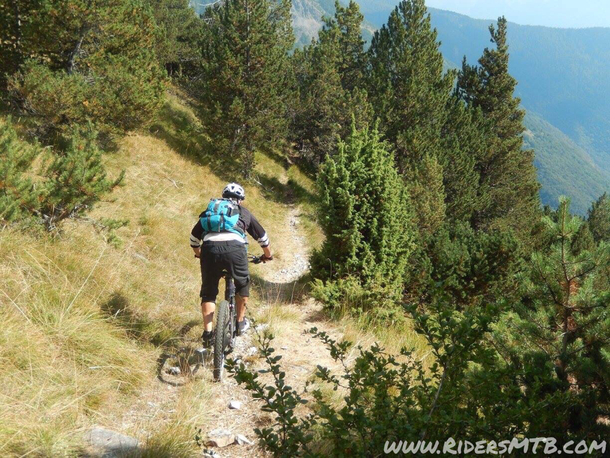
<point>284,193</point>
<point>178,354</point>
<point>121,313</point>
<point>281,293</point>
<point>179,360</point>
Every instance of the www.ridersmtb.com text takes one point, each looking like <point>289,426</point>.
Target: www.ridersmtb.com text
<point>542,445</point>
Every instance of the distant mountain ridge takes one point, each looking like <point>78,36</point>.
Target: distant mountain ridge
<point>306,16</point>
<point>563,74</point>
<point>564,168</point>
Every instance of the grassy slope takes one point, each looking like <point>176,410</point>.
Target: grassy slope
<point>84,320</point>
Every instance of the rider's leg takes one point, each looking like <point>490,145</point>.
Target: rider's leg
<point>207,309</point>
<point>242,303</point>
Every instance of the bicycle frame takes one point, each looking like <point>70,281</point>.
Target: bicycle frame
<point>229,289</point>
<point>224,342</point>
<point>230,298</point>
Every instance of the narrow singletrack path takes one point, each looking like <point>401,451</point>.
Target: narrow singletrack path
<point>279,306</point>
<point>288,316</point>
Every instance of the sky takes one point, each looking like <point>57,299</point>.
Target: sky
<point>552,13</point>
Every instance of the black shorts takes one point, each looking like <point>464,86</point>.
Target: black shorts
<point>218,257</point>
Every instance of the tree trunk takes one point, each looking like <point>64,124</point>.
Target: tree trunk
<point>76,51</point>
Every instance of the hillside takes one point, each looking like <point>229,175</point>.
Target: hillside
<point>563,74</point>
<point>409,262</point>
<point>88,314</point>
<point>563,167</point>
<point>93,316</point>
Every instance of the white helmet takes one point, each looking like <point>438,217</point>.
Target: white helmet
<point>234,191</point>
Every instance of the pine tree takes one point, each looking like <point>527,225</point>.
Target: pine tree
<point>427,191</point>
<point>180,27</point>
<point>352,58</point>
<point>329,75</point>
<point>76,178</point>
<point>410,92</point>
<point>365,215</point>
<point>462,143</point>
<point>559,332</point>
<point>408,87</point>
<point>245,76</point>
<point>18,195</point>
<point>91,60</point>
<point>507,172</point>
<point>599,219</point>
<point>15,19</point>
<point>321,113</point>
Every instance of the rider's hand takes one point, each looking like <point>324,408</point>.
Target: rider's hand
<point>265,258</point>
<point>197,252</point>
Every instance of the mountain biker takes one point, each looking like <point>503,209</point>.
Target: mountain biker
<point>226,251</point>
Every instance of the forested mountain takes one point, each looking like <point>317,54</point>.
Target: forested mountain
<point>564,168</point>
<point>564,81</point>
<point>563,74</point>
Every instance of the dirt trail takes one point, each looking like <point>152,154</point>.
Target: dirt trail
<point>300,355</point>
<point>300,352</point>
<point>289,318</point>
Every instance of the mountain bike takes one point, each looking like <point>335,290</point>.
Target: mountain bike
<point>226,323</point>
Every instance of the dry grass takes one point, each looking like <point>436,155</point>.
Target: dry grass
<point>391,338</point>
<point>84,320</point>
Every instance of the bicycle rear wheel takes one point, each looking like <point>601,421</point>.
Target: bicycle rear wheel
<point>222,339</point>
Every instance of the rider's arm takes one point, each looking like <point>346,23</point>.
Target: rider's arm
<point>257,232</point>
<point>195,239</point>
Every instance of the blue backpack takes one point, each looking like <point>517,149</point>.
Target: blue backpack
<point>221,215</point>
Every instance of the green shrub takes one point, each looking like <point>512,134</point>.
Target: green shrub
<point>473,266</point>
<point>365,215</point>
<point>76,179</point>
<point>465,390</point>
<point>71,180</point>
<point>121,94</point>
<point>18,194</point>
